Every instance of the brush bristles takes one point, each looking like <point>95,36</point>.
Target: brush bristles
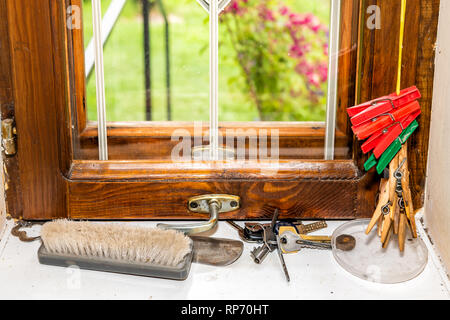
<point>118,242</point>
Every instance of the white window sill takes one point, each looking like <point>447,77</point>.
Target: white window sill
<point>314,275</point>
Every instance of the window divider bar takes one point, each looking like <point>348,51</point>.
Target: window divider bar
<point>99,80</point>
<point>214,79</point>
<point>108,23</point>
<point>333,65</point>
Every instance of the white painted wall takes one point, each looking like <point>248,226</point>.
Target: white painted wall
<point>2,197</point>
<point>2,203</point>
<point>437,202</point>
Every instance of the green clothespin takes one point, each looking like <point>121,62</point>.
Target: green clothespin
<point>391,151</point>
<point>372,162</point>
<point>395,147</point>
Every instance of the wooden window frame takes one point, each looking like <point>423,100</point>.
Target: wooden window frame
<point>39,90</point>
<point>129,140</point>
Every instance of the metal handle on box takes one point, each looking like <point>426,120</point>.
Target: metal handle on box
<point>212,204</point>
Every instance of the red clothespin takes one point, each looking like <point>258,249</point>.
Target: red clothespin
<point>382,139</point>
<point>375,139</point>
<point>365,130</point>
<point>372,109</point>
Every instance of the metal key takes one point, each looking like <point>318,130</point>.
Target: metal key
<point>254,232</point>
<point>270,241</point>
<point>292,242</point>
<point>313,244</point>
<point>308,228</point>
<point>319,239</point>
<point>283,263</point>
<point>260,253</point>
<point>239,229</point>
<point>245,234</point>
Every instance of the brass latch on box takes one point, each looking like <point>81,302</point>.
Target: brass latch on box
<point>9,137</point>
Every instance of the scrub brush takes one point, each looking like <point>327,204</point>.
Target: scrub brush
<point>116,248</point>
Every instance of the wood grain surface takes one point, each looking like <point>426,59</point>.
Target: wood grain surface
<point>53,174</point>
<point>36,99</point>
<point>141,140</point>
<point>10,163</point>
<point>378,70</point>
<point>305,190</point>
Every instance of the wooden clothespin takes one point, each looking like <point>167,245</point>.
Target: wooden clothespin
<point>394,211</point>
<point>382,201</point>
<point>387,123</point>
<point>407,197</point>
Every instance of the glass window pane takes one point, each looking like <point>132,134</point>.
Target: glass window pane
<point>124,62</point>
<point>274,60</point>
<point>273,68</point>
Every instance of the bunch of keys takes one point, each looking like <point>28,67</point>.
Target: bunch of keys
<point>253,232</point>
<point>281,236</point>
<point>395,210</point>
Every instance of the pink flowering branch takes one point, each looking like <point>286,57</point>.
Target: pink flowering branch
<point>272,44</point>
